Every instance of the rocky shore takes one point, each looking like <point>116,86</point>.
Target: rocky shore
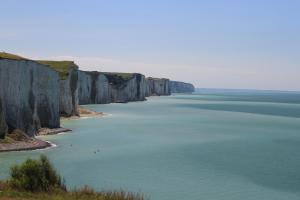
<point>84,113</point>
<point>26,145</point>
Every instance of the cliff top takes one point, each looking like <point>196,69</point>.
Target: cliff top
<point>151,78</point>
<point>4,55</point>
<point>117,79</point>
<point>180,82</point>
<point>62,67</point>
<point>124,76</point>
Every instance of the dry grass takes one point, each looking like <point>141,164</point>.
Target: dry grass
<point>84,193</point>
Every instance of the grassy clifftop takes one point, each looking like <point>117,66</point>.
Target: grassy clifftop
<point>4,55</point>
<point>62,67</point>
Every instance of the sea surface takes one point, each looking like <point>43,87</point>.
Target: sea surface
<point>210,145</point>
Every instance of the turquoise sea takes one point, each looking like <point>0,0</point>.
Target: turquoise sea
<point>211,145</point>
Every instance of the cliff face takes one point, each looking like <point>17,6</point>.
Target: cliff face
<point>3,126</point>
<point>93,88</point>
<point>181,87</point>
<point>147,88</point>
<point>158,86</point>
<point>30,94</point>
<point>68,74</point>
<point>100,88</point>
<point>68,101</point>
<point>126,87</point>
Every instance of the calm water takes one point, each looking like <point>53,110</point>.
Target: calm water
<point>210,145</point>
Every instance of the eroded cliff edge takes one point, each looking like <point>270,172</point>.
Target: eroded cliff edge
<point>181,87</point>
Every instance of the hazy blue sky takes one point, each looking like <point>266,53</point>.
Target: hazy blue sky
<point>213,43</point>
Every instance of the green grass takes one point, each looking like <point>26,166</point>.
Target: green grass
<point>4,55</point>
<point>62,67</point>
<point>35,176</point>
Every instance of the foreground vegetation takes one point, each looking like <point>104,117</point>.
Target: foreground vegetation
<point>37,179</point>
<point>84,193</point>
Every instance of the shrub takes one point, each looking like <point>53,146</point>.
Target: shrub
<point>35,175</point>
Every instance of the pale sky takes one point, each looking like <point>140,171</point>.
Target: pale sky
<point>253,44</point>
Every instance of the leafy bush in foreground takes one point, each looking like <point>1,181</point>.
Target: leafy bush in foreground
<point>36,176</point>
<point>37,179</point>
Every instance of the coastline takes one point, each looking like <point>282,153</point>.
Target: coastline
<point>28,144</point>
